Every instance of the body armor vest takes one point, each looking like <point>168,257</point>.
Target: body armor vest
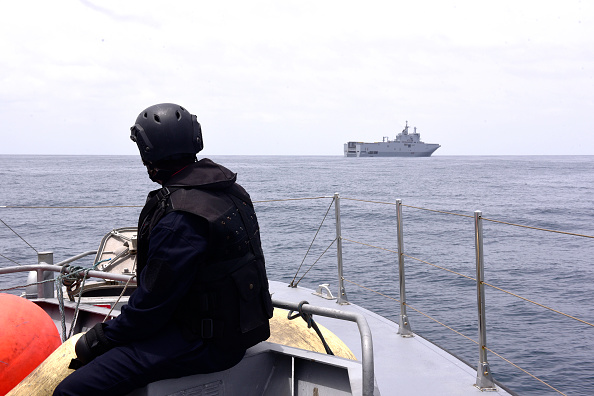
<point>229,303</point>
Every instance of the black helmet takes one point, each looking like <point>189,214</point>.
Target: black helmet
<point>166,131</point>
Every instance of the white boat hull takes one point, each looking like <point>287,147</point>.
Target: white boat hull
<point>392,149</point>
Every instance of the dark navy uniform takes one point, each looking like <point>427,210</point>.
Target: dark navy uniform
<point>202,297</point>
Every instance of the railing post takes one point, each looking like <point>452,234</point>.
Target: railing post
<point>342,297</point>
<point>45,290</point>
<point>404,324</point>
<point>484,379</point>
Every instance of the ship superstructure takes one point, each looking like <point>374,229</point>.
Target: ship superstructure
<point>405,145</point>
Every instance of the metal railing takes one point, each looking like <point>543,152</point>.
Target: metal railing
<point>404,324</point>
<point>484,379</point>
<point>41,275</point>
<point>367,365</point>
<point>44,278</point>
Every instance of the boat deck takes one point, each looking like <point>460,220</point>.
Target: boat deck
<point>402,365</point>
<point>408,366</point>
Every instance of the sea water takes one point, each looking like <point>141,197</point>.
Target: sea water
<point>543,192</point>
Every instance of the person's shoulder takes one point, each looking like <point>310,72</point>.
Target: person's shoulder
<point>180,221</point>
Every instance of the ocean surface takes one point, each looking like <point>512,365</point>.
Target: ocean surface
<point>548,192</point>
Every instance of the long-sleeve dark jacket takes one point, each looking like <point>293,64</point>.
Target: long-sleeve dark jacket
<point>200,264</point>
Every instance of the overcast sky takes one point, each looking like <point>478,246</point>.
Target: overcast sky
<point>300,77</point>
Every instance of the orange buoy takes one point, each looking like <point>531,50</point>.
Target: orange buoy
<point>28,335</point>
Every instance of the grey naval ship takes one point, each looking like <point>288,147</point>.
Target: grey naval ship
<point>405,145</point>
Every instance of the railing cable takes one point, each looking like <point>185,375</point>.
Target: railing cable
<point>438,211</point>
<point>538,228</point>
<point>18,236</point>
<point>119,298</point>
<point>414,258</point>
<point>27,284</point>
<point>484,218</point>
<point>440,267</point>
<point>413,308</point>
<point>71,207</point>
<point>309,248</point>
<point>459,333</point>
<point>371,290</point>
<point>474,279</point>
<point>130,206</point>
<point>540,305</point>
<point>462,275</point>
<point>520,368</point>
<point>443,324</point>
<point>311,266</point>
<point>372,246</point>
<point>289,199</point>
<point>368,201</point>
<point>9,259</point>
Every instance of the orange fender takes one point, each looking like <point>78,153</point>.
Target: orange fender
<point>27,336</point>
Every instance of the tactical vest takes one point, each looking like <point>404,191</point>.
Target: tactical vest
<point>229,303</point>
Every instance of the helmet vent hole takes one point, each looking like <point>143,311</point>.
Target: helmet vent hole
<point>178,115</point>
<point>145,115</point>
<point>157,119</point>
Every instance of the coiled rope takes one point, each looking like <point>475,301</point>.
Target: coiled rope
<point>308,318</point>
<point>72,274</point>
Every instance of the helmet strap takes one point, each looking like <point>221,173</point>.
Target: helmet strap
<point>161,172</point>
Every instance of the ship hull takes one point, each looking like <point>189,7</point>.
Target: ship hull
<point>391,149</point>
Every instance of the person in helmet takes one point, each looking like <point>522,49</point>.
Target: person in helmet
<point>202,296</point>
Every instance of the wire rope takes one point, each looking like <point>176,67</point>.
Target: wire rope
<point>538,228</point>
<point>438,211</point>
<point>460,334</point>
<point>9,259</point>
<point>310,245</point>
<point>23,239</point>
<point>314,263</point>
